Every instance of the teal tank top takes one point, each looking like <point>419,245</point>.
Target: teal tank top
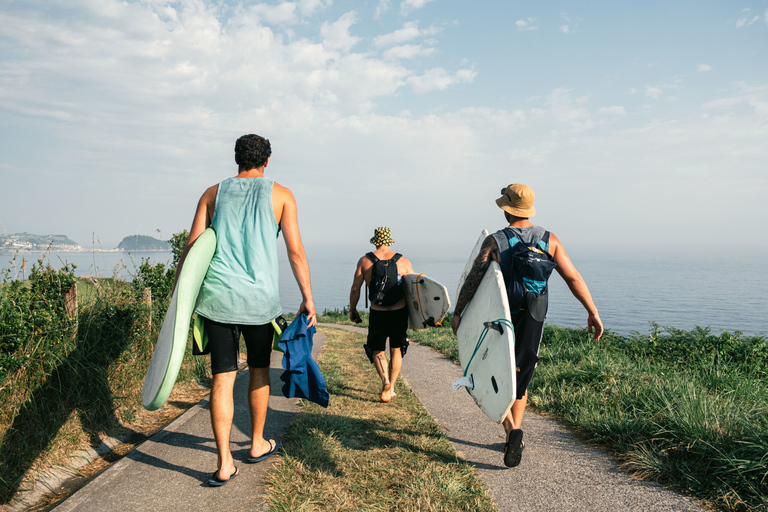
<point>241,285</point>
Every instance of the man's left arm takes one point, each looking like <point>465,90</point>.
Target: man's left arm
<point>289,223</point>
<point>576,284</point>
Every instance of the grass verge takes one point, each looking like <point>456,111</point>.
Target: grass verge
<point>688,409</point>
<point>361,454</point>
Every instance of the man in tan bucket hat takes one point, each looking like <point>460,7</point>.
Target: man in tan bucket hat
<point>381,271</point>
<point>523,246</point>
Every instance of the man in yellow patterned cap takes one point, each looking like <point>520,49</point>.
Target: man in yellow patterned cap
<point>381,271</point>
<point>524,249</point>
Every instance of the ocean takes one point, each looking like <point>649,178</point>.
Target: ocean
<point>629,291</point>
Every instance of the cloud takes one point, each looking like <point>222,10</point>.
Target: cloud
<point>747,18</point>
<point>382,7</point>
<point>653,92</point>
<point>336,35</point>
<point>569,27</point>
<point>310,7</point>
<point>407,51</point>
<point>704,67</point>
<point>438,79</point>
<point>408,6</point>
<point>409,32</point>
<point>276,14</point>
<point>526,24</point>
<point>657,91</point>
<point>612,111</point>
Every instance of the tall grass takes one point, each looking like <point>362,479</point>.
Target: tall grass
<point>77,379</point>
<point>686,408</point>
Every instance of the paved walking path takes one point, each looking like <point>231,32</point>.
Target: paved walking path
<point>558,472</point>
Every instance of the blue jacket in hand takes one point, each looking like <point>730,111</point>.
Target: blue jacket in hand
<point>302,376</point>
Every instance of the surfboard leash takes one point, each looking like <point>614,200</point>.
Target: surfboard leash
<point>495,325</point>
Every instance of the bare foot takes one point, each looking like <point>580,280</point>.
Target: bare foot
<point>386,395</point>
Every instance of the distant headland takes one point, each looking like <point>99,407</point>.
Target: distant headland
<point>32,242</point>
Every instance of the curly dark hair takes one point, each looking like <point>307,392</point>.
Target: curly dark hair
<point>252,151</point>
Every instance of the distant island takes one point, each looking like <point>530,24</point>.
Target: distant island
<point>28,241</point>
<point>143,243</point>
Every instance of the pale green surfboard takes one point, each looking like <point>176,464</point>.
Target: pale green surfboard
<point>172,340</point>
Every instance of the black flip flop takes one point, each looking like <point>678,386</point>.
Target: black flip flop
<point>215,481</point>
<point>513,450</point>
<point>254,460</point>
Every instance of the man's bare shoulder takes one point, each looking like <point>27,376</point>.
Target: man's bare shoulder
<point>364,262</point>
<point>209,196</point>
<point>281,190</point>
<point>554,243</point>
<point>282,195</point>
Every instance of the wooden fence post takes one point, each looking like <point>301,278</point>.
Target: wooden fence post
<point>70,305</point>
<point>148,302</point>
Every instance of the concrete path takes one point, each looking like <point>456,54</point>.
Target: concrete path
<point>558,472</point>
<point>169,471</point>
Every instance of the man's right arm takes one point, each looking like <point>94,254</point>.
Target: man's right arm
<point>200,223</point>
<point>354,292</point>
<point>489,251</point>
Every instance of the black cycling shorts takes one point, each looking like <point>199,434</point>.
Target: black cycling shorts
<point>224,344</point>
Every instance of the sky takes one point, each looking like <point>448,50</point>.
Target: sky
<point>638,124</point>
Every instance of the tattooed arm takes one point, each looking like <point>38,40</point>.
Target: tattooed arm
<point>489,251</point>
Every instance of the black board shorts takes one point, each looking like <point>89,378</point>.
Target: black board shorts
<point>387,324</point>
<point>224,344</point>
<point>528,333</point>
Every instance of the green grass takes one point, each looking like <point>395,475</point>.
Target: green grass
<point>689,409</point>
<point>361,454</point>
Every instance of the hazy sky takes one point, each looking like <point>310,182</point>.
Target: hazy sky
<point>636,123</point>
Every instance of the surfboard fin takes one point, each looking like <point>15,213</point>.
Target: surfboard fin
<point>464,382</point>
<point>497,326</point>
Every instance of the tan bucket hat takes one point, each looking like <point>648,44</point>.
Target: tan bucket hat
<point>517,200</point>
<point>382,236</point>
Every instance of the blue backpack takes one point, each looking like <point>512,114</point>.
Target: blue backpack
<point>526,267</point>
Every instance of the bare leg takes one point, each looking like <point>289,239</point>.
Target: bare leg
<point>222,411</point>
<point>380,361</point>
<point>395,363</point>
<point>514,417</point>
<point>258,402</point>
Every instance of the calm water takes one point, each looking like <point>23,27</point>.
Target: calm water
<point>629,293</point>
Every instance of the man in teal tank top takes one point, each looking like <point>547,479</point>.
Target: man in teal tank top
<point>240,295</point>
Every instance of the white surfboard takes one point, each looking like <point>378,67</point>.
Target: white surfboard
<point>426,299</point>
<point>470,261</point>
<point>486,347</point>
<point>172,340</point>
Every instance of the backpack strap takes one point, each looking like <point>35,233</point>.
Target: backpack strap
<point>371,257</point>
<point>502,239</point>
<point>396,257</point>
<point>544,242</point>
